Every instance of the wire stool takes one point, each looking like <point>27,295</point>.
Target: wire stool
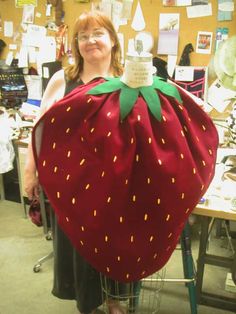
<point>141,297</point>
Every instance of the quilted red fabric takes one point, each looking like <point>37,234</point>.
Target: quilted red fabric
<point>122,191</point>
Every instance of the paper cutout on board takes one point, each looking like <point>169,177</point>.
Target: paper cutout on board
<point>168,34</point>
<point>138,23</point>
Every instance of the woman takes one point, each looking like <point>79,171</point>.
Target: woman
<point>97,53</point>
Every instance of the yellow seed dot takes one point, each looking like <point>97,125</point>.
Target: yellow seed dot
<point>81,138</point>
<point>210,151</point>
<point>82,228</point>
<point>202,187</point>
<point>137,157</point>
<point>85,120</point>
<point>68,153</point>
<point>155,256</point>
<point>182,133</point>
<point>94,213</point>
<point>89,100</point>
<point>73,200</point>
<point>148,180</point>
<point>182,196</point>
<point>108,269</point>
<point>52,120</point>
<point>132,239</point>
<point>170,235</point>
<point>67,219</point>
<point>68,109</point>
<point>95,149</point>
<point>139,117</point>
<point>44,163</point>
<point>160,162</point>
<point>145,217</point>
<point>194,171</point>
<point>114,158</point>
<point>203,127</point>
<point>106,238</point>
<point>204,163</point>
<point>127,276</point>
<point>118,258</point>
<point>81,242</point>
<point>149,140</point>
<point>168,217</point>
<point>173,180</point>
<point>108,114</point>
<point>92,130</point>
<point>54,145</point>
<point>182,156</point>
<point>82,162</point>
<point>121,219</point>
<point>187,210</point>
<point>163,141</point>
<point>108,134</point>
<point>138,259</point>
<point>158,201</point>
<point>67,130</point>
<point>151,238</point>
<point>132,140</point>
<point>164,118</point>
<point>197,138</point>
<point>55,169</point>
<point>126,181</point>
<point>180,107</point>
<point>58,194</point>
<point>143,272</point>
<point>134,198</point>
<point>109,199</point>
<point>67,177</point>
<point>87,186</point>
<point>103,174</point>
<point>95,250</point>
<point>185,129</point>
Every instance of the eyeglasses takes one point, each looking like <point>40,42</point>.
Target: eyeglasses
<point>94,35</point>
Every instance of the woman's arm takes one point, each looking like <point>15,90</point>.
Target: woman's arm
<point>54,91</point>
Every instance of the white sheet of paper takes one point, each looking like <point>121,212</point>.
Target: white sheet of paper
<point>122,45</point>
<point>9,58</point>
<point>184,73</point>
<point>32,54</point>
<point>34,86</point>
<point>8,28</point>
<point>23,57</point>
<point>199,10</point>
<point>34,36</point>
<point>171,64</point>
<point>12,46</point>
<point>219,97</point>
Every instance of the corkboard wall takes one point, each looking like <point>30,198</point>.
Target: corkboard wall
<point>151,10</point>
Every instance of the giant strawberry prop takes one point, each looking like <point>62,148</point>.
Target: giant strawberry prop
<point>123,168</point>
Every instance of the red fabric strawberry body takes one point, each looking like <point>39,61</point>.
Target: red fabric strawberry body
<point>122,191</point>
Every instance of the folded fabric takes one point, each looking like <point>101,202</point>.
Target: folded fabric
<point>123,169</point>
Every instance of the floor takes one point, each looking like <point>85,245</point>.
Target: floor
<point>23,291</point>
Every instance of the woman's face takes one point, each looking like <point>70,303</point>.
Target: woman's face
<point>95,44</point>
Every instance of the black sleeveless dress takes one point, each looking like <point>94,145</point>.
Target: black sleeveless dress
<point>74,278</point>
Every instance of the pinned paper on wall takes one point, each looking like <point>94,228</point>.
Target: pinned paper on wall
<point>204,42</point>
<point>28,14</point>
<point>8,28</point>
<point>168,34</point>
<point>138,23</point>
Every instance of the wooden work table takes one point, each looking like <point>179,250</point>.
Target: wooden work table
<point>219,210</point>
